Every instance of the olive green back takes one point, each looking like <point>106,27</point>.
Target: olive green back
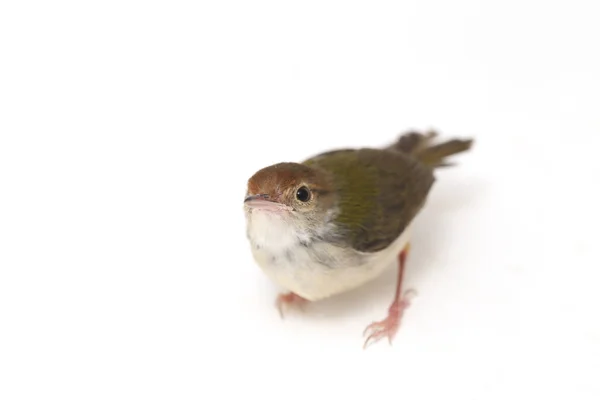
<point>379,193</point>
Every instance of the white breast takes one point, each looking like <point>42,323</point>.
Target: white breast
<point>318,270</point>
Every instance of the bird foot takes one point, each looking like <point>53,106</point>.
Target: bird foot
<point>389,326</point>
<point>289,299</point>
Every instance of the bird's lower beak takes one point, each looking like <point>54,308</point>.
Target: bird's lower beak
<point>261,202</point>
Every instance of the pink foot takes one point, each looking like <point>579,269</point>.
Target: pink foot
<point>389,326</point>
<point>289,299</point>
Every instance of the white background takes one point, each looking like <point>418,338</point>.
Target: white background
<point>128,131</point>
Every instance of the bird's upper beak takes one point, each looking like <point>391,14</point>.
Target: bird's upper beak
<point>262,202</point>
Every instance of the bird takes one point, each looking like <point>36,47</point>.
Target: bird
<point>340,218</point>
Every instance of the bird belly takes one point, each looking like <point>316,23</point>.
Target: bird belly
<point>321,269</point>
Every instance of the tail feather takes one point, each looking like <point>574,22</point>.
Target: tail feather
<point>420,146</point>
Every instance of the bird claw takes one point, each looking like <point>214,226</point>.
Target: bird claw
<point>389,326</point>
<point>378,330</point>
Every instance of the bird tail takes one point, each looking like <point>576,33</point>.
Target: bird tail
<point>420,145</point>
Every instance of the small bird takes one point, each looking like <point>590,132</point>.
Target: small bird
<point>337,220</point>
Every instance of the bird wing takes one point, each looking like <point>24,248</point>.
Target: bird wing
<point>380,191</point>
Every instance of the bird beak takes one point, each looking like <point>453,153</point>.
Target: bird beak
<point>256,197</point>
<point>262,202</point>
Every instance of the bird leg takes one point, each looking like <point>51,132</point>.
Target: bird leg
<point>289,299</point>
<point>389,326</point>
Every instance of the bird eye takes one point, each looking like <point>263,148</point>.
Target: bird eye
<point>303,194</point>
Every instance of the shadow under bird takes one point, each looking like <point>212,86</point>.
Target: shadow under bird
<point>337,220</point>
